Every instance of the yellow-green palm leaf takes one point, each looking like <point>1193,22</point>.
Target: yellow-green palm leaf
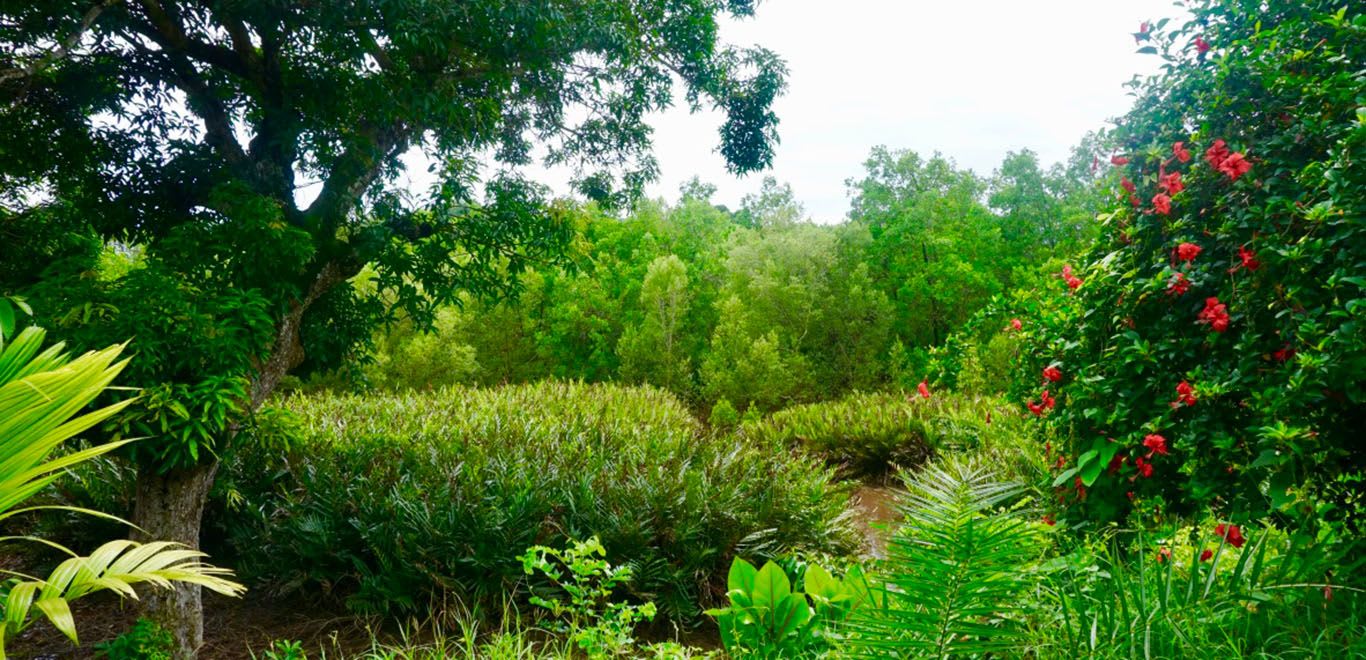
<point>115,566</point>
<point>41,393</point>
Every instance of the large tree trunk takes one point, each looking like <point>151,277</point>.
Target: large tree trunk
<point>169,508</point>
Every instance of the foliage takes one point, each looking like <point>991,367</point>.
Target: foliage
<point>872,434</point>
<point>144,641</point>
<point>723,415</point>
<point>1211,356</point>
<point>1199,594</point>
<point>956,570</point>
<point>599,626</point>
<point>768,618</point>
<point>390,500</point>
<point>41,395</point>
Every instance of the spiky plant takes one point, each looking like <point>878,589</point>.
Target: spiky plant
<point>955,572</point>
<point>41,392</point>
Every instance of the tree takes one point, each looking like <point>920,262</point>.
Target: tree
<point>745,369</point>
<point>935,248</point>
<point>653,351</point>
<point>227,110</point>
<point>774,205</point>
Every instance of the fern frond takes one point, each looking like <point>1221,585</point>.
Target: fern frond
<point>955,569</point>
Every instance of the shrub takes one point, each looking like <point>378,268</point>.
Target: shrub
<point>144,641</point>
<point>1234,270</point>
<point>770,616</point>
<point>391,500</point>
<point>870,435</point>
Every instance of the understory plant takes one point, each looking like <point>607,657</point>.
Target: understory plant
<point>1193,593</point>
<point>770,617</point>
<point>580,597</point>
<point>42,394</point>
<point>870,435</point>
<point>956,570</point>
<point>391,501</point>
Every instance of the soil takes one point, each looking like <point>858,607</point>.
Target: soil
<point>233,628</point>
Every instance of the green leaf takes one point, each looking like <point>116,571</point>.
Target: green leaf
<point>771,585</point>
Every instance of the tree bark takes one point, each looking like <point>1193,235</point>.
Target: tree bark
<point>170,507</point>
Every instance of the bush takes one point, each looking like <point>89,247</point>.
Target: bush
<point>144,641</point>
<point>392,500</point>
<point>869,435</point>
<point>1212,353</point>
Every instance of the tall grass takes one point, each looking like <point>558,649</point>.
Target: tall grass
<point>389,501</point>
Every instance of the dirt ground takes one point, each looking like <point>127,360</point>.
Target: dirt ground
<point>232,628</point>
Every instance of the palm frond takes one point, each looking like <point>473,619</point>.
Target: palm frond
<point>42,394</point>
<point>955,571</point>
<point>115,566</point>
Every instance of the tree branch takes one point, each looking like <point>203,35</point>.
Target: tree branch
<point>62,49</point>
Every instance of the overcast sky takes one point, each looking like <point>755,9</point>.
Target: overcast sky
<point>972,79</point>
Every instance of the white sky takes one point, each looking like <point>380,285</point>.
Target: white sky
<point>972,79</point>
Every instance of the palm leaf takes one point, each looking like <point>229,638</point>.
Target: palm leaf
<point>115,566</point>
<point>42,394</point>
<point>955,570</point>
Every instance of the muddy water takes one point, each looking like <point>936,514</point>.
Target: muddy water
<point>876,511</point>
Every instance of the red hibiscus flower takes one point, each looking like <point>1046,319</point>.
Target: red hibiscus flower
<point>1145,469</point>
<point>1048,400</point>
<point>1204,556</point>
<point>1015,324</point>
<point>1216,153</point>
<point>1188,251</point>
<point>1052,373</point>
<point>923,389</point>
<point>1134,201</point>
<point>1118,160</point>
<point>1185,395</point>
<point>1215,314</point>
<point>1179,285</point>
<point>1172,182</point>
<point>1116,463</point>
<point>1201,46</point>
<point>1127,185</point>
<point>1234,166</point>
<point>1035,408</point>
<point>1249,259</point>
<point>1231,533</point>
<point>1155,444</point>
<point>1284,354</point>
<point>1179,150</point>
<point>1162,204</point>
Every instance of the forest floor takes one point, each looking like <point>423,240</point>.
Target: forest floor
<point>235,628</point>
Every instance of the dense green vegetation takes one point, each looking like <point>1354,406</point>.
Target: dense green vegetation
<point>758,306</point>
<point>392,500</point>
<point>1105,408</point>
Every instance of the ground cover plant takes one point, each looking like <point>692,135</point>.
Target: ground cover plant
<point>388,501</point>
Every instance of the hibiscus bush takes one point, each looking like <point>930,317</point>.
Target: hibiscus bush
<point>1209,352</point>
